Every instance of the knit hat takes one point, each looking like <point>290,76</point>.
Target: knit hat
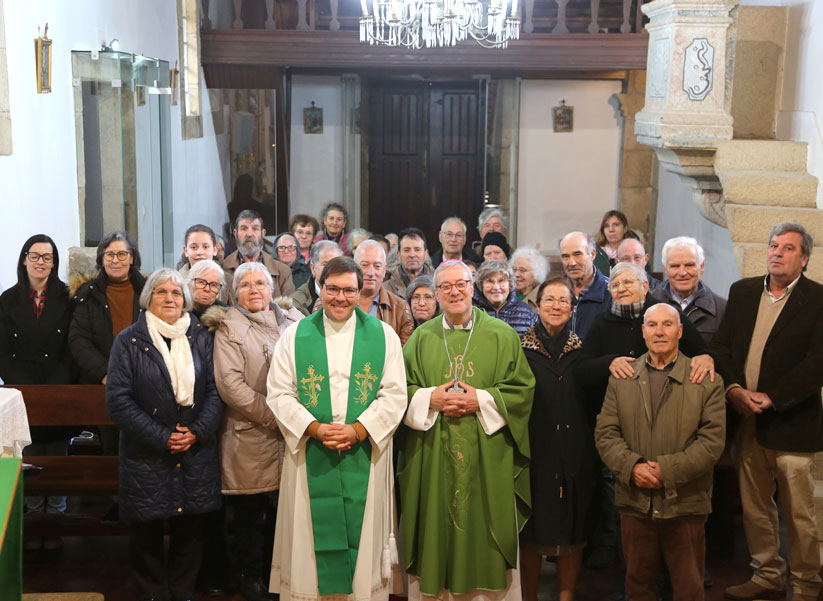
<point>495,239</point>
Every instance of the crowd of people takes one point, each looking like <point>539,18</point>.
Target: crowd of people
<point>352,415</point>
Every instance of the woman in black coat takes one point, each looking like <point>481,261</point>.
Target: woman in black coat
<point>34,328</point>
<point>105,306</point>
<point>563,457</point>
<point>34,319</point>
<point>161,394</point>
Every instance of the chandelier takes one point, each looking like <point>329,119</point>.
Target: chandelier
<point>432,23</point>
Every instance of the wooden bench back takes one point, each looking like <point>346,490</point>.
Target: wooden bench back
<point>65,405</point>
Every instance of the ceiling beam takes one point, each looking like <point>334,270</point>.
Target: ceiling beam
<point>533,53</point>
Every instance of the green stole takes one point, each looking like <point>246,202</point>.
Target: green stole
<point>338,481</point>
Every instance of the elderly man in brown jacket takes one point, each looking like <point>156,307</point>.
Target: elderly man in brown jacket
<point>375,298</point>
<point>661,434</point>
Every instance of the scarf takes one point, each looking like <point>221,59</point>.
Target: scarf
<point>178,358</point>
<point>553,344</point>
<point>632,311</point>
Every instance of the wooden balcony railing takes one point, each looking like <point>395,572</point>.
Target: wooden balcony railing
<point>539,16</point>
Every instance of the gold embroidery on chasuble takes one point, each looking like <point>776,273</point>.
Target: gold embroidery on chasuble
<point>457,472</point>
<point>460,369</point>
<point>364,383</point>
<point>311,384</point>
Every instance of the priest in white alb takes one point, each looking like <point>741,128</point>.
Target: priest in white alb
<point>337,386</point>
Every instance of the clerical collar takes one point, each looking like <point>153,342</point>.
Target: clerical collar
<point>786,292</point>
<point>447,325</point>
<point>666,368</point>
<point>336,326</point>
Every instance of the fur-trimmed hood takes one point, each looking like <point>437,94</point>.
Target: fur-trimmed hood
<point>215,315</point>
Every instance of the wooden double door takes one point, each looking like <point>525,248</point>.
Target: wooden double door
<point>426,155</point>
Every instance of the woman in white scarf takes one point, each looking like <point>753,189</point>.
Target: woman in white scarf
<point>161,394</point>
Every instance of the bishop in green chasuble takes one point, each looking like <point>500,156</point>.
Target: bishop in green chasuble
<point>464,480</point>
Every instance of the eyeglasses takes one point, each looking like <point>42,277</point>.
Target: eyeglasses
<point>456,235</point>
<point>335,290</point>
<point>550,300</point>
<point>622,283</point>
<point>202,284</point>
<point>446,287</point>
<point>246,286</point>
<point>499,282</point>
<point>122,255</point>
<point>34,257</point>
<point>521,270</point>
<point>282,249</point>
<point>419,298</point>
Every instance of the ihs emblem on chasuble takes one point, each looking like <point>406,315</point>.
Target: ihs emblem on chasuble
<point>311,384</point>
<point>458,370</point>
<point>364,383</point>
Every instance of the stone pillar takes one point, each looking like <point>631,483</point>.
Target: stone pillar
<point>687,86</point>
<point>688,91</point>
<point>636,160</point>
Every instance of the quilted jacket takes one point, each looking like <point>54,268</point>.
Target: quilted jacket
<point>515,313</point>
<point>155,484</point>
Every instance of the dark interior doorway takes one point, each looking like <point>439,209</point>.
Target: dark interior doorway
<point>426,155</point>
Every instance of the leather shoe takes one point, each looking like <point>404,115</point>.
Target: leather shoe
<point>252,589</point>
<point>751,590</point>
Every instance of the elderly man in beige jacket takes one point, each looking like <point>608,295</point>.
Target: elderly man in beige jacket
<point>661,434</point>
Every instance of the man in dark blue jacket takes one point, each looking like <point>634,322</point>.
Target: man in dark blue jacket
<point>591,288</point>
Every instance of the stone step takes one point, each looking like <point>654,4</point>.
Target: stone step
<point>769,188</point>
<point>760,155</point>
<point>751,260</point>
<point>754,223</point>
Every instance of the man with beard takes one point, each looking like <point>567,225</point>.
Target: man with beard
<point>375,299</point>
<point>412,254</point>
<point>248,235</point>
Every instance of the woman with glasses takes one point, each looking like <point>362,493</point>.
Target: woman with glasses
<point>205,280</point>
<point>105,306</point>
<point>162,396</point>
<point>494,293</point>
<point>34,328</point>
<point>422,301</point>
<point>251,446</point>
<point>287,250</point>
<point>563,458</point>
<point>200,244</point>
<point>530,270</point>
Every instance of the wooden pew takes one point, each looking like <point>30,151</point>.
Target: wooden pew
<point>86,475</point>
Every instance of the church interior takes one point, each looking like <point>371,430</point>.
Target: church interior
<point>151,116</point>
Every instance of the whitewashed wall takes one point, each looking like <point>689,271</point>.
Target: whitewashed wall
<point>39,180</point>
<point>566,180</point>
<point>316,161</point>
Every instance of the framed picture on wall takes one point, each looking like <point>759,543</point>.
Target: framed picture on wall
<point>563,117</point>
<point>42,58</point>
<point>312,120</point>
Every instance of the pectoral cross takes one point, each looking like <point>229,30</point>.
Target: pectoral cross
<point>313,380</point>
<point>364,383</point>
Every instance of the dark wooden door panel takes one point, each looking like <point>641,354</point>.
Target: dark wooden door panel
<point>425,155</point>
